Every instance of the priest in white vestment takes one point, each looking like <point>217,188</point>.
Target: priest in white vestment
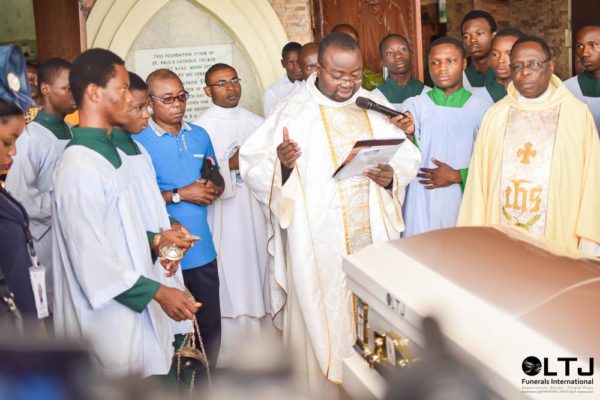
<point>288,164</point>
<point>236,220</point>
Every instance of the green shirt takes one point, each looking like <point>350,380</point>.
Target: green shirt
<point>476,78</point>
<point>455,100</point>
<point>395,93</point>
<point>55,124</point>
<point>590,86</point>
<point>97,140</point>
<point>122,140</point>
<point>496,90</point>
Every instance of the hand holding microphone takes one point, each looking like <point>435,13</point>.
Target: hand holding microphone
<point>401,120</point>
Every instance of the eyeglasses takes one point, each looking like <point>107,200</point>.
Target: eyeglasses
<point>532,66</point>
<point>224,84</point>
<point>341,79</point>
<point>171,99</point>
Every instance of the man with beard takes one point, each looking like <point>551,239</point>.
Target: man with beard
<point>536,163</point>
<point>30,177</point>
<point>586,85</point>
<point>478,29</point>
<point>396,56</point>
<point>288,164</point>
<point>498,78</point>
<point>446,121</point>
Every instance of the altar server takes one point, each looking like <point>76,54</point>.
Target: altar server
<point>106,289</point>
<point>38,150</point>
<point>446,121</point>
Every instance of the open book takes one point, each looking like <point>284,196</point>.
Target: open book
<point>367,154</point>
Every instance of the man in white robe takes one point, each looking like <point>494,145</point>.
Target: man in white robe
<point>106,289</point>
<point>288,164</point>
<point>39,148</point>
<point>236,220</point>
<point>279,90</point>
<point>150,202</point>
<point>586,85</point>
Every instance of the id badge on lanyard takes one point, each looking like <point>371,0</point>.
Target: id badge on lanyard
<point>37,274</point>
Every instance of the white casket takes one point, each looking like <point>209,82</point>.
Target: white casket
<point>498,300</point>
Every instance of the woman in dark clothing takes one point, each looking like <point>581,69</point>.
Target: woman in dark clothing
<point>15,254</point>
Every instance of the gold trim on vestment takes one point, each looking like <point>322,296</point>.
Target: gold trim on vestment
<point>341,125</point>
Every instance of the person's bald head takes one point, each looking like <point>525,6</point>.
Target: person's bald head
<point>308,58</point>
<point>347,29</point>
<point>162,74</point>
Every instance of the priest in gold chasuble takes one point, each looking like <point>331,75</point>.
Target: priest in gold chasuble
<point>313,220</point>
<point>536,163</point>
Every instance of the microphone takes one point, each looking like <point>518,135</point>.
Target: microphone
<point>369,104</point>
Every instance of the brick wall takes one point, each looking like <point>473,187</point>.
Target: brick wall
<point>295,16</point>
<point>548,22</point>
<point>547,19</point>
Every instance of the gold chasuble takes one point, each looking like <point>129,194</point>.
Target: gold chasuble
<point>344,126</point>
<point>536,167</point>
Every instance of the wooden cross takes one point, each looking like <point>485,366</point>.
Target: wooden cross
<point>526,153</point>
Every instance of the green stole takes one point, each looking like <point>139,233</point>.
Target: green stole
<point>455,100</point>
<point>496,90</point>
<point>590,86</point>
<point>55,124</point>
<point>122,140</point>
<point>476,78</point>
<point>96,139</point>
<point>395,93</point>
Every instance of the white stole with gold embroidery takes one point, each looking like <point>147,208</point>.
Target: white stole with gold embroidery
<point>526,164</point>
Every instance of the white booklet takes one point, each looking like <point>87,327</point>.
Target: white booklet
<point>367,154</point>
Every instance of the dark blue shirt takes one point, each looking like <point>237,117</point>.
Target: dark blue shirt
<point>178,163</point>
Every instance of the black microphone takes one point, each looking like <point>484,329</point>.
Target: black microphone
<point>369,104</point>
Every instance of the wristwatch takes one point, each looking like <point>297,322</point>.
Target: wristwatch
<point>175,197</point>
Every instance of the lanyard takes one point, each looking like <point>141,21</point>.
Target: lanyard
<point>24,224</point>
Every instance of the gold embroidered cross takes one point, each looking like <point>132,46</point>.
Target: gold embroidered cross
<point>526,153</point>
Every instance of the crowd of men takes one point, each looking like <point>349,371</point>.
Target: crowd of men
<point>251,203</point>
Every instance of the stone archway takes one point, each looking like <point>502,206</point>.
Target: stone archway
<point>114,25</point>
